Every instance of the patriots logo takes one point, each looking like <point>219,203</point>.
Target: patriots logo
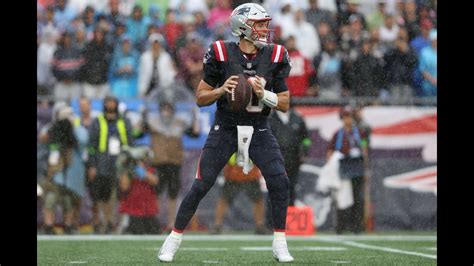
<point>421,180</point>
<point>243,11</point>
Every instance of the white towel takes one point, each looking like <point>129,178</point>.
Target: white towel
<point>330,180</point>
<point>244,137</point>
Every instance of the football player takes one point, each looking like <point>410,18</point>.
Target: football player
<point>266,65</point>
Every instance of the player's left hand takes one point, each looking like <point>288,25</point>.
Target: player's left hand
<point>258,85</point>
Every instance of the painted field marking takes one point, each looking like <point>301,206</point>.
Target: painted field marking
<point>295,248</point>
<point>235,238</point>
<point>392,250</point>
<point>194,249</point>
<point>210,261</point>
<point>340,261</point>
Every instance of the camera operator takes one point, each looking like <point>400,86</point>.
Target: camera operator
<point>137,185</point>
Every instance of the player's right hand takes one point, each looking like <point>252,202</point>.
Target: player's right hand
<point>229,84</point>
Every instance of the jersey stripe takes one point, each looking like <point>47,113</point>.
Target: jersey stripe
<point>198,171</point>
<point>277,55</point>
<point>282,51</point>
<point>225,50</point>
<point>219,49</point>
<point>274,52</point>
<point>214,45</point>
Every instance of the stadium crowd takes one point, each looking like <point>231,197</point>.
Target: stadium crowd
<point>130,49</point>
<point>385,49</point>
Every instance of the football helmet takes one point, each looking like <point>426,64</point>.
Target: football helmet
<point>243,20</point>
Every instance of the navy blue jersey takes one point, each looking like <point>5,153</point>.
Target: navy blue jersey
<point>224,59</point>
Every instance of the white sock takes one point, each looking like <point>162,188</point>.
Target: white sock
<point>176,234</point>
<point>278,235</point>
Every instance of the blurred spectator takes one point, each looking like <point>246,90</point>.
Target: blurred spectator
<point>220,13</point>
<point>420,42</point>
<point>63,14</point>
<point>315,15</point>
<point>80,39</point>
<point>44,76</point>
<point>306,36</point>
<point>400,62</point>
<point>137,27</point>
<point>202,28</point>
<point>376,19</point>
<point>154,16</point>
<point>114,16</point>
<point>363,77</point>
<point>48,22</point>
<point>97,56</point>
<point>222,32</point>
<point>85,118</point>
<point>166,130</point>
<point>411,20</point>
<point>351,9</point>
<point>302,75</point>
<point>235,181</point>
<point>349,141</point>
<point>124,70</point>
<point>171,30</point>
<point>43,121</point>
<point>190,58</point>
<point>43,136</point>
<point>328,67</point>
<point>292,136</point>
<point>188,7</point>
<point>324,32</point>
<point>388,32</point>
<point>137,184</point>
<point>426,12</point>
<point>284,18</point>
<point>156,67</point>
<point>109,134</point>
<point>88,19</point>
<point>188,23</point>
<point>351,40</point>
<point>65,182</point>
<point>66,66</point>
<point>428,67</point>
<point>378,50</point>
<point>114,39</point>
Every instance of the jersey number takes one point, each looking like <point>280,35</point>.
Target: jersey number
<point>255,105</point>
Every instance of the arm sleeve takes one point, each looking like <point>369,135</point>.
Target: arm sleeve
<point>282,72</point>
<point>212,72</point>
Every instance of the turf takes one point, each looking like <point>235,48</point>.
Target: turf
<point>230,252</point>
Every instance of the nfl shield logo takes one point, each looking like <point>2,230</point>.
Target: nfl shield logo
<point>249,65</point>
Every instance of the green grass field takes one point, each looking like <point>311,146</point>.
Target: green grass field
<point>322,249</point>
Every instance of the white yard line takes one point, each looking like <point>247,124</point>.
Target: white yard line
<point>193,249</point>
<point>392,250</point>
<point>295,248</point>
<point>186,237</point>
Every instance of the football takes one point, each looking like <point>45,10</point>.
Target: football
<point>240,96</point>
